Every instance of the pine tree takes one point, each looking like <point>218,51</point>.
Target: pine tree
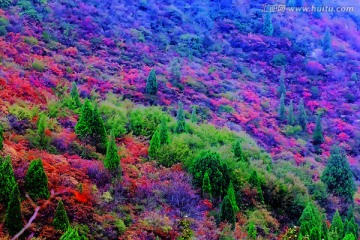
<point>351,227</point>
<point>227,212</point>
<point>282,89</point>
<point>99,137</point>
<point>206,186</point>
<point>315,234</point>
<point>302,118</point>
<point>282,113</point>
<point>61,220</point>
<point>326,42</point>
<point>154,145</point>
<point>310,218</point>
<point>251,232</point>
<point>318,137</point>
<point>151,83</point>
<point>83,127</point>
<point>253,179</point>
<point>74,94</point>
<point>41,125</point>
<point>180,117</point>
<point>337,227</point>
<point>232,198</point>
<point>36,182</point>
<point>238,152</point>
<point>268,26</point>
<point>1,138</point>
<point>7,180</point>
<point>338,177</point>
<point>291,117</point>
<point>112,159</point>
<point>163,132</point>
<point>194,118</point>
<point>13,218</point>
<point>71,234</point>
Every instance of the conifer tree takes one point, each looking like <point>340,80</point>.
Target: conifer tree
<point>151,83</point>
<point>41,125</point>
<point>351,227</point>
<point>206,186</point>
<point>282,113</point>
<point>338,177</point>
<point>232,198</point>
<point>282,89</point>
<point>251,232</point>
<point>83,127</point>
<point>227,212</point>
<point>36,181</point>
<point>327,42</point>
<point>61,220</point>
<point>154,144</point>
<point>75,97</point>
<point>337,227</point>
<point>349,236</point>
<point>112,159</point>
<point>302,118</point>
<point>71,234</point>
<point>268,26</point>
<point>238,152</point>
<point>311,218</point>
<point>291,117</point>
<point>318,137</point>
<point>13,218</point>
<point>7,180</point>
<point>99,137</point>
<point>194,118</point>
<point>180,117</point>
<point>254,181</point>
<point>315,234</point>
<point>163,132</point>
<point>1,138</point>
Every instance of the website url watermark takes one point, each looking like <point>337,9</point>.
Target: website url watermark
<point>313,8</point>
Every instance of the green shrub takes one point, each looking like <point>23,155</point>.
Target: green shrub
<point>144,121</point>
<point>279,60</point>
<point>226,109</point>
<point>176,151</point>
<point>22,111</point>
<point>120,225</point>
<point>3,31</point>
<point>291,130</point>
<point>38,65</point>
<point>31,40</point>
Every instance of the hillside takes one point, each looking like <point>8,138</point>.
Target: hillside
<point>177,85</point>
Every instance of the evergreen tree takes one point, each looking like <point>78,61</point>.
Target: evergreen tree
<point>83,127</point>
<point>291,117</point>
<point>41,125</point>
<point>254,181</point>
<point>163,132</point>
<point>282,89</point>
<point>112,159</point>
<point>238,152</point>
<point>36,182</point>
<point>1,138</point>
<point>315,234</point>
<point>74,94</point>
<point>232,198</point>
<point>61,220</point>
<point>99,137</point>
<point>349,237</point>
<point>302,118</point>
<point>351,227</point>
<point>326,42</point>
<point>206,186</point>
<point>310,218</point>
<point>318,137</point>
<point>268,26</point>
<point>151,83</point>
<point>194,118</point>
<point>71,234</point>
<point>282,113</point>
<point>7,180</point>
<point>251,232</point>
<point>180,117</point>
<point>13,218</point>
<point>227,212</point>
<point>338,176</point>
<point>337,227</point>
<point>154,144</point>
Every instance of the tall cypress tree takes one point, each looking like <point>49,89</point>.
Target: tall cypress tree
<point>193,118</point>
<point>282,113</point>
<point>154,144</point>
<point>227,212</point>
<point>99,137</point>
<point>338,177</point>
<point>71,234</point>
<point>83,127</point>
<point>302,118</point>
<point>206,186</point>
<point>180,117</point>
<point>238,152</point>
<point>7,180</point>
<point>311,218</point>
<point>61,220</point>
<point>1,138</point>
<point>112,159</point>
<point>232,198</point>
<point>315,233</point>
<point>318,137</point>
<point>13,218</point>
<point>268,26</point>
<point>290,116</point>
<point>351,227</point>
<point>163,132</point>
<point>251,232</point>
<point>337,227</point>
<point>151,83</point>
<point>326,42</point>
<point>75,98</point>
<point>282,89</point>
<point>41,125</point>
<point>36,181</point>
